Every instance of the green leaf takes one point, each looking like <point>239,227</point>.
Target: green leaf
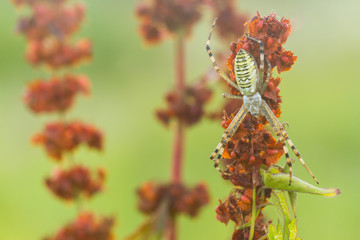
<point>273,178</point>
<point>274,233</point>
<point>281,204</point>
<point>271,232</point>
<point>278,234</point>
<point>292,226</point>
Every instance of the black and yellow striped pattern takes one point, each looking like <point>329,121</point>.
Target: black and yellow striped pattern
<point>246,72</point>
<point>229,132</point>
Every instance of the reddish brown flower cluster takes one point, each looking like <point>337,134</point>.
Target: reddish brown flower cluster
<point>86,227</point>
<point>273,33</point>
<point>78,180</point>
<point>187,106</point>
<point>60,137</point>
<point>56,54</point>
<point>252,145</point>
<point>47,30</point>
<point>56,94</point>
<point>237,208</point>
<point>50,20</point>
<point>161,17</point>
<point>178,198</point>
<point>230,23</point>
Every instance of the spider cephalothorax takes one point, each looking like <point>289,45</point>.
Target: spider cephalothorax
<point>251,83</point>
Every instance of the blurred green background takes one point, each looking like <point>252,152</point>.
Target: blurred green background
<point>320,94</point>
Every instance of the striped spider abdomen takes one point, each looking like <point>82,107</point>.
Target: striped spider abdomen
<point>246,73</point>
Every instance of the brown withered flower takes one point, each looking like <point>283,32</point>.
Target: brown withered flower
<point>59,138</point>
<point>86,226</point>
<point>69,184</point>
<point>47,29</point>
<point>50,19</point>
<point>180,199</point>
<point>56,53</point>
<point>187,106</point>
<point>163,17</point>
<point>56,94</point>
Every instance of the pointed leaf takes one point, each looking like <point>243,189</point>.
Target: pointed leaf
<point>283,207</point>
<point>278,234</point>
<point>271,232</point>
<point>292,226</point>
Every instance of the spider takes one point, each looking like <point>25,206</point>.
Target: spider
<point>250,83</point>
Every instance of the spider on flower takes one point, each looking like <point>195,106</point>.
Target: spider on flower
<point>250,83</point>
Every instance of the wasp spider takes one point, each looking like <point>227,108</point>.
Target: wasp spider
<point>250,82</point>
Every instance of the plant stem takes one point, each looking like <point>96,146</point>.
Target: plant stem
<point>178,150</point>
<point>253,212</point>
<point>180,62</point>
<point>178,153</point>
<point>172,229</point>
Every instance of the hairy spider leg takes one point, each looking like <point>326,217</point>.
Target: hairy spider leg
<point>281,139</point>
<point>229,132</point>
<point>261,68</point>
<point>286,136</point>
<point>265,84</point>
<point>212,58</point>
<point>261,48</point>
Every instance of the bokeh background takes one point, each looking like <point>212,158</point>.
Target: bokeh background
<point>320,102</point>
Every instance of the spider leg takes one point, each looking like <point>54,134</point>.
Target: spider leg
<point>262,85</point>
<point>281,139</point>
<point>271,115</point>
<point>217,161</point>
<point>212,58</point>
<point>228,95</point>
<point>265,84</point>
<point>229,132</point>
<point>261,51</point>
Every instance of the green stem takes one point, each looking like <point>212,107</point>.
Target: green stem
<point>253,212</point>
